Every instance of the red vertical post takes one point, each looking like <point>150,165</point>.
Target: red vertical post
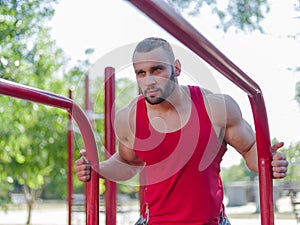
<point>87,94</point>
<point>70,165</point>
<point>86,107</point>
<point>92,186</point>
<point>110,145</point>
<point>87,102</point>
<point>142,187</point>
<point>264,159</point>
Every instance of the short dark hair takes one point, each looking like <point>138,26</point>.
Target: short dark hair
<point>152,43</point>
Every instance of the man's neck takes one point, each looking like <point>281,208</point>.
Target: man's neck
<point>173,102</point>
<point>173,113</point>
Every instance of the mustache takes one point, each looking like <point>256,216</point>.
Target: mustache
<point>152,89</point>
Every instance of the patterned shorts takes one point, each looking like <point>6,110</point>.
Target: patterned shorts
<point>223,220</point>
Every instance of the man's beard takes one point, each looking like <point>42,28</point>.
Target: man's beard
<point>168,89</point>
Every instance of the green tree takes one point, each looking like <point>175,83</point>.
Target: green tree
<point>245,15</point>
<point>237,173</point>
<point>31,135</point>
<point>239,14</point>
<point>32,147</point>
<point>292,153</point>
<point>298,92</point>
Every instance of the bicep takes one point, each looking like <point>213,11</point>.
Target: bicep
<point>124,127</point>
<point>128,154</point>
<point>240,136</point>
<point>238,132</point>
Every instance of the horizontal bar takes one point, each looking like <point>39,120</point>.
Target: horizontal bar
<point>20,91</point>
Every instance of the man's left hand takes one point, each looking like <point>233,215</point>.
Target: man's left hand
<point>279,162</point>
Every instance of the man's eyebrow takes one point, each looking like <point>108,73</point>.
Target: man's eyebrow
<point>162,65</point>
<point>138,70</point>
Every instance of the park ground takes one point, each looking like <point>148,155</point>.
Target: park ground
<point>55,213</point>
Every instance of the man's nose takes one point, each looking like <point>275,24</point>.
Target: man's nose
<point>150,79</point>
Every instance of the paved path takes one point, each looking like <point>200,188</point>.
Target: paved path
<point>59,217</point>
<point>56,214</point>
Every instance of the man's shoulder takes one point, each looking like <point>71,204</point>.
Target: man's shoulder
<point>216,98</point>
<point>125,116</point>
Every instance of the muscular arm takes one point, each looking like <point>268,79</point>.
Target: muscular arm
<point>239,134</point>
<point>117,169</point>
<point>124,164</point>
<point>228,121</point>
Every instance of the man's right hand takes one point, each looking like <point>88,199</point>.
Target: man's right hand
<point>83,167</point>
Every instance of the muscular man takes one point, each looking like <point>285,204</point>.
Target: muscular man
<point>177,135</point>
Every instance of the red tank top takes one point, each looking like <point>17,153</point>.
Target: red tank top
<point>181,176</point>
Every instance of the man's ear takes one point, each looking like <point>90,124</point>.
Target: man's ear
<point>177,66</point>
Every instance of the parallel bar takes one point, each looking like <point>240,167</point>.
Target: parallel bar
<point>92,187</point>
<point>264,159</point>
<point>70,165</point>
<point>35,95</point>
<point>16,90</point>
<point>87,101</point>
<point>87,110</point>
<point>110,144</point>
<point>181,29</point>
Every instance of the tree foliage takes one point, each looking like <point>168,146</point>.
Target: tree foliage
<point>237,173</point>
<point>31,135</point>
<point>238,14</point>
<point>292,153</point>
<point>298,92</point>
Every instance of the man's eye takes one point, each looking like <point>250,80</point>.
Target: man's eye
<point>140,73</point>
<point>157,70</point>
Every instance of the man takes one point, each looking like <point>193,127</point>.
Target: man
<point>177,135</point>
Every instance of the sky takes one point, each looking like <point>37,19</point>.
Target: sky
<point>110,25</point>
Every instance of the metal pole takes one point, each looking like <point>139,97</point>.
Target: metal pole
<point>87,110</point>
<point>70,164</point>
<point>110,145</point>
<point>87,93</point>
<point>92,187</point>
<point>175,24</point>
<point>264,159</point>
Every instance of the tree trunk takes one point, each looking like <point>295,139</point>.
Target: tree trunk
<point>30,195</point>
<point>29,205</point>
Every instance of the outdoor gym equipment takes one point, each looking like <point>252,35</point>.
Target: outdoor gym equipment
<point>164,15</point>
<point>181,29</point>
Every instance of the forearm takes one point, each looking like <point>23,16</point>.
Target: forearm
<point>116,169</point>
<point>251,158</point>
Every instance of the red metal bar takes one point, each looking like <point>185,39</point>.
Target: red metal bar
<point>92,196</point>
<point>87,93</point>
<point>47,98</point>
<point>36,95</point>
<point>110,145</point>
<point>264,159</point>
<point>175,24</point>
<point>87,110</point>
<point>70,165</point>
